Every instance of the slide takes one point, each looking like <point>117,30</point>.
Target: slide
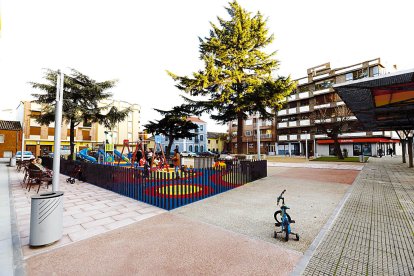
<point>123,157</point>
<point>84,154</point>
<point>108,157</point>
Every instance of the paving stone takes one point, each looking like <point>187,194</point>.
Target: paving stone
<point>373,232</point>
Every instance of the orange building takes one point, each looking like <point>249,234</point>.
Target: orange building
<point>10,139</point>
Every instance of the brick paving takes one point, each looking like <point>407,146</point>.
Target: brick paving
<point>318,165</point>
<point>88,211</point>
<point>374,232</point>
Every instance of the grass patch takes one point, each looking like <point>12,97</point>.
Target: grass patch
<point>336,159</point>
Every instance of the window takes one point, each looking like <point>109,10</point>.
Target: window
<point>202,148</point>
<point>349,77</point>
<point>166,138</point>
<point>196,148</point>
<point>190,148</point>
<point>7,154</point>
<point>191,138</point>
<point>86,123</point>
<point>375,71</point>
<point>324,84</point>
<point>248,133</point>
<point>201,137</point>
<point>303,88</point>
<point>209,142</point>
<point>216,141</point>
<point>129,126</point>
<point>248,122</point>
<point>176,138</point>
<point>130,136</point>
<point>1,138</point>
<point>361,73</point>
<point>130,117</point>
<point>201,127</point>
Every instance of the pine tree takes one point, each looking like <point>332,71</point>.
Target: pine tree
<point>174,125</point>
<point>82,102</point>
<point>237,79</point>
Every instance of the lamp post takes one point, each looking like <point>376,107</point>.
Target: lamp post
<point>306,144</point>
<point>58,126</point>
<point>258,137</point>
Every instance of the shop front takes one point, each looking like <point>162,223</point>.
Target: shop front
<point>358,146</point>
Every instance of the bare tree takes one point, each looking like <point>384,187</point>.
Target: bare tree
<point>333,122</point>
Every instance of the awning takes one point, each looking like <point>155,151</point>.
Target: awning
<point>359,140</point>
<point>384,102</point>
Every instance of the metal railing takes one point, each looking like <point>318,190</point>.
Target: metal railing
<point>167,190</point>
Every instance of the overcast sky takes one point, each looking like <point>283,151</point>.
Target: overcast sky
<point>136,41</point>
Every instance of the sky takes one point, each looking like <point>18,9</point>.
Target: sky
<point>135,42</point>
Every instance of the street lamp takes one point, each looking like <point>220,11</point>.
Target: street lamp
<point>306,144</point>
<point>258,136</point>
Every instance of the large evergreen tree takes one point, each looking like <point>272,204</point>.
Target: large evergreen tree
<point>82,102</point>
<point>174,125</point>
<point>237,79</point>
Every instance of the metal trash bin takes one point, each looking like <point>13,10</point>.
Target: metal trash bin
<point>46,218</point>
<point>361,159</point>
<point>13,162</point>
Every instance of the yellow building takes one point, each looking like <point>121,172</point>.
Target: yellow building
<point>215,141</point>
<point>39,139</point>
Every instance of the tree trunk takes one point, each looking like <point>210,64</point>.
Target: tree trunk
<point>337,147</point>
<point>170,143</point>
<point>72,140</point>
<point>410,152</point>
<point>404,150</point>
<point>239,133</point>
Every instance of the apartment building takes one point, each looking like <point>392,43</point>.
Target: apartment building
<point>39,139</point>
<point>215,142</point>
<point>298,126</point>
<point>194,144</point>
<point>267,132</point>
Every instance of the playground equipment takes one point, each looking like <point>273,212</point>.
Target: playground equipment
<point>84,155</point>
<point>121,156</point>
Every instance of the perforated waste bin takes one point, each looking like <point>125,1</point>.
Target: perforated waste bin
<point>46,218</point>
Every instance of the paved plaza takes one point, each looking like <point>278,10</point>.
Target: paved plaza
<point>374,232</point>
<point>88,211</point>
<point>347,227</point>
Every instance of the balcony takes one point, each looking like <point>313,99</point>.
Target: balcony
<point>354,134</point>
<point>293,124</point>
<point>282,112</point>
<point>293,137</point>
<point>322,91</point>
<point>304,122</point>
<point>321,106</point>
<point>304,108</point>
<point>282,125</point>
<point>321,136</point>
<point>325,121</point>
<point>305,136</point>
<point>264,136</point>
<point>292,110</point>
<point>377,133</point>
<point>291,98</point>
<point>283,137</point>
<point>304,95</point>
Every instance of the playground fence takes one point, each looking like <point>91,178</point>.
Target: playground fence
<point>167,190</point>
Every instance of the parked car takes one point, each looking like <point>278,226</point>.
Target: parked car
<point>27,155</point>
<point>208,153</point>
<point>188,154</point>
<point>226,157</point>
